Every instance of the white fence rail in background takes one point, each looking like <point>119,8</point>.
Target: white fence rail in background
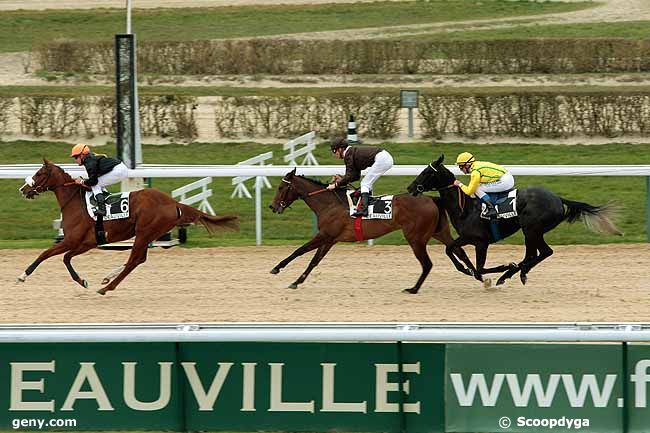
<point>181,194</point>
<point>20,171</point>
<point>309,140</point>
<point>240,188</point>
<point>169,170</point>
<point>318,332</point>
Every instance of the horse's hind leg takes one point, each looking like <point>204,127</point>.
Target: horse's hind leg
<point>67,260</point>
<point>59,248</point>
<point>112,274</point>
<point>320,253</point>
<point>533,260</point>
<point>137,257</point>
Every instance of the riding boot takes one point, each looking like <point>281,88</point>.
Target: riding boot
<point>363,212</point>
<point>491,211</point>
<point>101,204</point>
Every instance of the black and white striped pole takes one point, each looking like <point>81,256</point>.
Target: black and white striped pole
<point>353,138</point>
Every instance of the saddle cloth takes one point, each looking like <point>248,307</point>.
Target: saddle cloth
<point>379,207</point>
<point>505,204</point>
<point>117,206</point>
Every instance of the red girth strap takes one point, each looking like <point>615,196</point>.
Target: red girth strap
<point>357,229</point>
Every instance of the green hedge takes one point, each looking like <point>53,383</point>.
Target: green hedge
<point>272,56</point>
<point>514,114</point>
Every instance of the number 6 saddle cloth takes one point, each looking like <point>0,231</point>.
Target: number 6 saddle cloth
<point>117,206</point>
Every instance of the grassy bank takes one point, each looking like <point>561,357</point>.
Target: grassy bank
<point>20,30</point>
<point>29,223</point>
<point>625,30</point>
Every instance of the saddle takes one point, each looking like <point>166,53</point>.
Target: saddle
<point>379,207</point>
<point>504,202</point>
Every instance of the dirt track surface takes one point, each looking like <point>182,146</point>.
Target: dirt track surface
<point>579,283</point>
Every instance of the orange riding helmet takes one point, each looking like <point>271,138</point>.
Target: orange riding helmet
<point>79,149</point>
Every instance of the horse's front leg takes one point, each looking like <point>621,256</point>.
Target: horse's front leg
<point>320,253</point>
<point>52,251</point>
<point>67,260</point>
<point>453,249</point>
<point>314,243</point>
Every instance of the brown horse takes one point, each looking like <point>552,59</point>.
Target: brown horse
<point>152,213</point>
<point>418,217</point>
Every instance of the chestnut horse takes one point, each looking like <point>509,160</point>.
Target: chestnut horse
<point>419,218</point>
<point>152,213</point>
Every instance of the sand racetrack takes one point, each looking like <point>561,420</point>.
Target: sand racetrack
<point>354,283</point>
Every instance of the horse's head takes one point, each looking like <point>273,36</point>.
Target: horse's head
<point>287,193</point>
<point>47,178</point>
<point>434,176</point>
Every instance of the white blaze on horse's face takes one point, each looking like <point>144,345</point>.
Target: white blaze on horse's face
<point>29,181</point>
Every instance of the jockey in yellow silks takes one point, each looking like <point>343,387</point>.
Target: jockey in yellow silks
<point>485,177</point>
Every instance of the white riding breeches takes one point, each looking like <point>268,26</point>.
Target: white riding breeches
<point>118,174</point>
<point>504,183</point>
<point>383,163</point>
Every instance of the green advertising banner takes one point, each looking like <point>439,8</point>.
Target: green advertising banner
<point>313,387</point>
<point>534,388</point>
<point>638,375</point>
<point>97,385</point>
<point>223,386</point>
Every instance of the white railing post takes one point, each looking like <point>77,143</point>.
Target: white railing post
<point>240,188</point>
<point>258,210</point>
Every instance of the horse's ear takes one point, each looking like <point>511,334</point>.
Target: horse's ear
<point>46,161</point>
<point>292,173</point>
<point>439,160</point>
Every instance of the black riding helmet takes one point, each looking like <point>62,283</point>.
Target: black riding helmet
<point>339,142</point>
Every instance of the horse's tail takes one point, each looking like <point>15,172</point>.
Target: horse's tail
<point>214,224</point>
<point>595,218</point>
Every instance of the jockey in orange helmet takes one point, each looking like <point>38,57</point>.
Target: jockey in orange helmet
<point>485,177</point>
<point>102,171</point>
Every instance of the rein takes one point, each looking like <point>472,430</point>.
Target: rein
<point>317,192</point>
<point>461,196</point>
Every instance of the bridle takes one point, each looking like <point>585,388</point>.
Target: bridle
<point>461,196</point>
<point>283,204</point>
<point>40,188</point>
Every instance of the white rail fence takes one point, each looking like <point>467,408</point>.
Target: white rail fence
<point>309,140</point>
<point>260,172</point>
<point>325,332</point>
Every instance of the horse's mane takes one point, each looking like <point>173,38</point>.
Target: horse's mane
<point>316,181</point>
<point>66,176</point>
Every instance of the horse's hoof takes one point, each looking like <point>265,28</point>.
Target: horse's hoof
<point>411,290</point>
<point>102,291</point>
<point>500,281</point>
<point>523,278</point>
<point>105,281</point>
<point>21,278</point>
<point>84,284</point>
<point>275,271</point>
<point>292,286</point>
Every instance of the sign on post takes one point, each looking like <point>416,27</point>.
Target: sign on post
<point>409,99</point>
